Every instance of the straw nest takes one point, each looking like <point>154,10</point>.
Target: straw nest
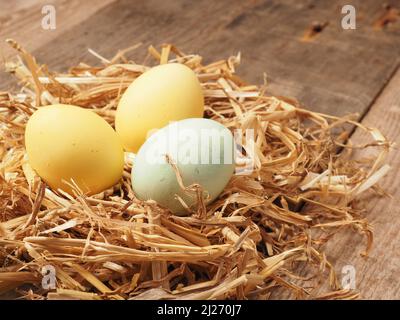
<point>245,245</point>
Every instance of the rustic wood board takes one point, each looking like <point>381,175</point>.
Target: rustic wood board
<point>339,71</point>
<point>376,276</point>
<point>21,20</point>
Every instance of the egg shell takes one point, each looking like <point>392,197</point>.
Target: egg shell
<point>65,142</point>
<point>165,93</point>
<point>210,164</point>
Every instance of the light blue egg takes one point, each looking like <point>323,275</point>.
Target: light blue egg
<point>203,151</point>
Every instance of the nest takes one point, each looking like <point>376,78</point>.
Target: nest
<point>248,244</point>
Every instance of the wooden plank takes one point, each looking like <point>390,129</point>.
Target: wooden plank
<point>339,72</point>
<point>21,20</point>
<point>377,275</point>
<point>11,8</point>
<point>186,24</point>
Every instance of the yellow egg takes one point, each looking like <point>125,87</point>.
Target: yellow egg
<point>165,93</point>
<point>67,143</point>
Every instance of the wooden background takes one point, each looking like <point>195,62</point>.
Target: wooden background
<point>335,71</point>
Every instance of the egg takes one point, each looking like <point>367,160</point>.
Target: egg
<point>65,143</point>
<point>201,149</point>
<point>165,93</point>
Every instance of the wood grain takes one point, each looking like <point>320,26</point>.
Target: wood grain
<point>341,71</point>
<point>21,21</point>
<point>338,71</point>
<point>377,277</point>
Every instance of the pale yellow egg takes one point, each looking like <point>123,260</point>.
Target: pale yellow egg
<point>165,93</point>
<point>68,144</point>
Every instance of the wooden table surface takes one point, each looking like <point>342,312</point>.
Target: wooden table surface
<point>335,71</point>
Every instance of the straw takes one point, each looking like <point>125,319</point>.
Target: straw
<point>245,245</point>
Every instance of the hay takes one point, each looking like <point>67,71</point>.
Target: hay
<point>245,245</point>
